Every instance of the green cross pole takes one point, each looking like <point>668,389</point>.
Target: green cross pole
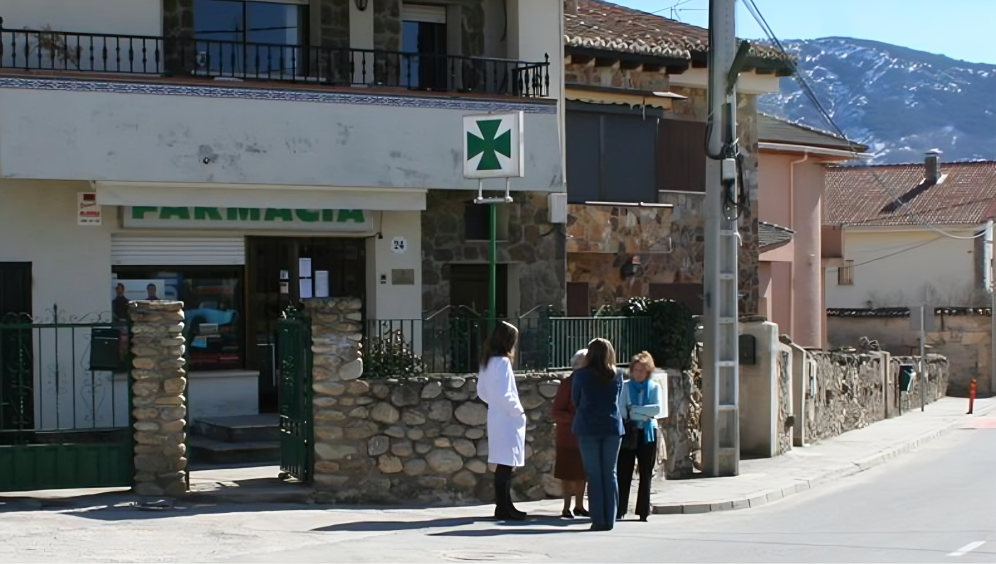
<point>490,145</point>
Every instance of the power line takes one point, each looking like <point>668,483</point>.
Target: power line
<point>811,95</point>
<point>899,252</point>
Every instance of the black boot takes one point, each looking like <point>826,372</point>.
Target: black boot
<point>516,514</point>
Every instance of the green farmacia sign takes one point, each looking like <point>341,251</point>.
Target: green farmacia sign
<point>247,218</point>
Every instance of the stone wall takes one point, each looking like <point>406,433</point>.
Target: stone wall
<point>783,428</point>
<point>963,336</point>
<point>422,439</point>
<point>849,391</point>
<point>533,246</point>
<point>682,428</point>
<point>938,373</point>
<point>333,23</point>
<point>178,30</point>
<point>159,406</point>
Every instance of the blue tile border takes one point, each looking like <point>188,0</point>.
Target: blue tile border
<point>360,98</point>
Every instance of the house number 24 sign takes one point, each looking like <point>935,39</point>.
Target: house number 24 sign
<point>399,245</point>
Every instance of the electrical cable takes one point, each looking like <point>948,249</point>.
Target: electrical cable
<point>811,95</point>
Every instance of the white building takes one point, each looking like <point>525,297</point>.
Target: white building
<point>245,154</point>
<point>911,234</point>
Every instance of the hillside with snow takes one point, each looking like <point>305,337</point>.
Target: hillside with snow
<point>898,101</point>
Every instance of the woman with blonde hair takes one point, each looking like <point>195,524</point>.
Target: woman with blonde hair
<point>643,401</point>
<point>569,468</point>
<point>599,428</point>
<point>506,417</point>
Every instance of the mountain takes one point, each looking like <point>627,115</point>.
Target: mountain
<point>898,101</point>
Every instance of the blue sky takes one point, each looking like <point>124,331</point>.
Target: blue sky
<point>961,29</point>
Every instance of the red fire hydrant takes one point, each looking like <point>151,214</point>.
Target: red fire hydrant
<point>971,397</point>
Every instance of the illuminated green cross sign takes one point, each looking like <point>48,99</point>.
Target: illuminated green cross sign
<point>491,144</point>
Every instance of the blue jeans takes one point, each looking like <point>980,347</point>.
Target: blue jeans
<point>599,455</point>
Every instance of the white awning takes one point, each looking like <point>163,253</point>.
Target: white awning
<point>257,196</point>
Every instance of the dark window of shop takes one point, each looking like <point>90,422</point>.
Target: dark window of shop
<point>681,155</point>
<point>611,157</point>
<point>235,36</point>
<point>214,324</point>
<point>477,222</point>
<point>577,299</point>
<point>688,294</point>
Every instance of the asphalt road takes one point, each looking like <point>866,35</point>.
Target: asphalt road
<point>928,506</point>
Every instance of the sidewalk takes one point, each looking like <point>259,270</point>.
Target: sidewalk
<point>766,480</point>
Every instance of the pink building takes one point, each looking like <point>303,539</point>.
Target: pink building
<point>793,249</point>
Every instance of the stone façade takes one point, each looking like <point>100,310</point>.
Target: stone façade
<point>681,259</point>
<point>534,245</point>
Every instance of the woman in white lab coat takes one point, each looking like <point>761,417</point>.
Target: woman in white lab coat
<point>506,417</point>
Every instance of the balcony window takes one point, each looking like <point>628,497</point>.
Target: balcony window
<point>423,40</point>
<point>237,37</point>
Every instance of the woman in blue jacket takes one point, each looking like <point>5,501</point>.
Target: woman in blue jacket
<point>642,403</point>
<point>599,428</point>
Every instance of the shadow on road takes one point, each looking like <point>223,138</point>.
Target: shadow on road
<point>503,527</point>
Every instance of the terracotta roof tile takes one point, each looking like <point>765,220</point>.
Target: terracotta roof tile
<point>604,25</point>
<point>871,195</point>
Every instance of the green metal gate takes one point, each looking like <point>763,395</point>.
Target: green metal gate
<point>65,396</point>
<point>297,445</point>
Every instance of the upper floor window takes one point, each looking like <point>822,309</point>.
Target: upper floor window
<point>423,40</point>
<point>248,36</point>
<point>845,274</point>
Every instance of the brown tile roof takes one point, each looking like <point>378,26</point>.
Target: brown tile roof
<point>898,195</point>
<point>771,236</point>
<point>611,27</point>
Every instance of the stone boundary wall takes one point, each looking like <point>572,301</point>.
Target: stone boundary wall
<point>425,439</point>
<point>849,392</point>
<point>159,407</point>
<point>938,379</point>
<point>963,336</point>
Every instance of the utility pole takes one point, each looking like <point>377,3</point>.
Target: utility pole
<point>923,361</point>
<point>721,370</point>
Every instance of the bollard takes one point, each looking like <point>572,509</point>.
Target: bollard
<point>971,397</point>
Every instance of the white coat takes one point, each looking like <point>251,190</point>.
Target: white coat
<point>506,417</point>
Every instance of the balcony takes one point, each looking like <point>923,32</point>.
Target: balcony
<point>149,56</point>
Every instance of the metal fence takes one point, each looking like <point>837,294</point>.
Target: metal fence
<point>408,347</point>
<point>65,414</point>
<point>47,49</point>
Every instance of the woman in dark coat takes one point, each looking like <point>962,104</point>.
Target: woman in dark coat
<point>569,469</point>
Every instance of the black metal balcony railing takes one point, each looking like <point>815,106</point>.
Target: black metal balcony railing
<point>44,49</point>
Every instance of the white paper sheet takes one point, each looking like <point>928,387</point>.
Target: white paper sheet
<point>304,268</point>
<point>321,283</point>
<point>306,288</point>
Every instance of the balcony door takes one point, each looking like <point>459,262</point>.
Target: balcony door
<point>248,38</point>
<point>423,40</point>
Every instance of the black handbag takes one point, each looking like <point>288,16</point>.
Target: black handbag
<point>631,440</point>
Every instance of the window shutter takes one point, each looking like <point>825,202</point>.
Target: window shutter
<point>129,250</point>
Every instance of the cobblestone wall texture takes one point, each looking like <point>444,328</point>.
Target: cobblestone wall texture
<point>159,406</point>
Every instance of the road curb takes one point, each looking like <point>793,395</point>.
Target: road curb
<point>765,497</point>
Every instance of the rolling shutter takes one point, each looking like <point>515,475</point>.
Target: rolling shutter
<point>128,250</point>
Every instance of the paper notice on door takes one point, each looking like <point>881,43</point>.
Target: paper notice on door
<point>285,287</point>
<point>306,289</point>
<point>321,283</point>
<point>304,268</point>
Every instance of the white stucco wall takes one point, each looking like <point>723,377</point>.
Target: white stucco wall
<point>120,17</point>
<point>921,261</point>
<point>354,142</point>
<point>71,267</point>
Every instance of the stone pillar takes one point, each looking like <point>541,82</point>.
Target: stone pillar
<point>158,404</point>
<point>336,332</point>
<point>180,51</point>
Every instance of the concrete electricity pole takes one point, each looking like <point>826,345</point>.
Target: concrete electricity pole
<point>721,370</point>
